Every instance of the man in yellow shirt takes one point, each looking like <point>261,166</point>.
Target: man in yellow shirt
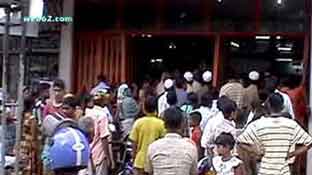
<point>144,132</point>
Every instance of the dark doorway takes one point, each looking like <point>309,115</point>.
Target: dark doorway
<point>156,54</point>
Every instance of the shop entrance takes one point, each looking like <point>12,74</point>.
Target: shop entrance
<point>156,54</point>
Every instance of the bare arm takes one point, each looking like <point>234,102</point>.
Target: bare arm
<point>134,149</point>
<point>105,147</point>
<point>299,151</point>
<point>240,170</point>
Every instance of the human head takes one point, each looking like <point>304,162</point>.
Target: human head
<point>271,84</point>
<point>206,100</point>
<point>207,76</point>
<point>225,143</point>
<point>179,83</point>
<point>29,103</point>
<point>101,78</point>
<point>172,98</point>
<point>275,103</point>
<point>69,106</point>
<point>168,84</point>
<point>228,109</point>
<point>192,98</point>
<point>221,101</point>
<point>101,97</point>
<point>44,90</point>
<point>86,124</point>
<point>254,76</point>
<point>150,104</point>
<point>174,120</point>
<point>188,77</point>
<point>195,118</point>
<point>58,90</point>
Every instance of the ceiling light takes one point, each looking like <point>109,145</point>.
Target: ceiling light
<point>149,36</point>
<point>284,59</point>
<point>143,35</point>
<point>172,46</point>
<point>284,49</point>
<point>279,2</point>
<point>278,37</point>
<point>263,37</point>
<point>234,44</point>
<point>159,60</point>
<point>219,1</point>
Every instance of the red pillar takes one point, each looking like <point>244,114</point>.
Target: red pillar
<point>217,59</point>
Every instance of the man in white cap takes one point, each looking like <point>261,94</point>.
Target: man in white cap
<point>251,92</point>
<point>206,85</point>
<point>162,101</point>
<point>188,76</point>
<point>160,86</point>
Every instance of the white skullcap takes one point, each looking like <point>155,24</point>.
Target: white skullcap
<point>207,76</point>
<point>254,75</point>
<point>188,76</point>
<point>168,83</point>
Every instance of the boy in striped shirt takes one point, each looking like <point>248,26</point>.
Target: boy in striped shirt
<point>275,135</point>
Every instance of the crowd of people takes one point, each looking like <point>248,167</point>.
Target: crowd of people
<point>183,125</point>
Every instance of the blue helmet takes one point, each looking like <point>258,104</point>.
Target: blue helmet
<point>69,148</point>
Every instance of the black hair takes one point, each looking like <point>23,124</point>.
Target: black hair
<point>225,139</point>
<point>196,117</point>
<point>173,118</point>
<point>71,101</point>
<point>44,86</point>
<point>150,104</point>
<point>192,98</point>
<point>59,83</point>
<point>101,78</point>
<point>221,101</point>
<point>276,102</point>
<point>271,84</point>
<point>228,106</point>
<point>29,103</point>
<point>206,100</point>
<point>179,83</point>
<point>172,98</point>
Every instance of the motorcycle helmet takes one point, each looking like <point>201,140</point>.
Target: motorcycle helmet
<point>69,149</point>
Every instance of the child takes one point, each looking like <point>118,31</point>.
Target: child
<point>196,131</point>
<point>225,163</point>
<point>144,132</point>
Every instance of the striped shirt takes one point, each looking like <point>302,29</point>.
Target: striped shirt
<point>234,91</point>
<point>172,155</point>
<point>275,136</point>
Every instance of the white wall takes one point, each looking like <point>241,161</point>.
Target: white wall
<point>66,48</point>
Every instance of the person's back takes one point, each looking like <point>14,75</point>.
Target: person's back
<point>172,155</point>
<point>276,135</point>
<point>145,131</point>
<point>235,91</point>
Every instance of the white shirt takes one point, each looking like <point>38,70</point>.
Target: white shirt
<point>225,167</point>
<point>208,133</point>
<point>287,104</point>
<point>162,103</point>
<point>206,114</point>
